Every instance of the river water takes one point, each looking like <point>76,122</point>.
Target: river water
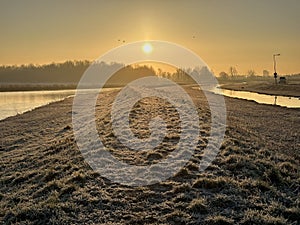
<point>289,102</point>
<point>13,103</point>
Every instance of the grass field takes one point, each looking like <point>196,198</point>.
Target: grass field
<point>253,180</point>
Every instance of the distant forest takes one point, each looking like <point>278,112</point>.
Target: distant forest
<point>68,74</point>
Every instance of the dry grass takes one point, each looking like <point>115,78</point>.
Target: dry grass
<point>254,179</point>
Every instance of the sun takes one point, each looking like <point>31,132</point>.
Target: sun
<point>147,48</point>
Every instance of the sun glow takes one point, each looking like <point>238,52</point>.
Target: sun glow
<point>147,48</point>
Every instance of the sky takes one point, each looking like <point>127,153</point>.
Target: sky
<point>240,33</point>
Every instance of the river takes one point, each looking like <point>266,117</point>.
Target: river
<point>13,103</point>
<point>289,102</point>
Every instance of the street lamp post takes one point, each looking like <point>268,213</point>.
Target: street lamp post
<point>275,72</point>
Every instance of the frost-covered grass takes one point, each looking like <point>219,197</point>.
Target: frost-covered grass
<point>254,179</point>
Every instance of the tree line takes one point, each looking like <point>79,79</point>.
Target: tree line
<point>67,72</point>
<point>70,72</point>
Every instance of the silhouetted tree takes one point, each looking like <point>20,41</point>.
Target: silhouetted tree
<point>251,73</point>
<point>233,71</point>
<point>223,75</point>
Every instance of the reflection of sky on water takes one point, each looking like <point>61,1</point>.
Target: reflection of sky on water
<point>12,103</point>
<point>290,102</point>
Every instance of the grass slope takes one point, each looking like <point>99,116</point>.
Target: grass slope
<point>254,179</point>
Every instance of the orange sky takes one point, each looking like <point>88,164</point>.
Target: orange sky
<point>224,33</point>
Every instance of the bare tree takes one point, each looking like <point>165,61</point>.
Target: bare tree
<point>251,73</point>
<point>233,71</point>
<point>223,75</point>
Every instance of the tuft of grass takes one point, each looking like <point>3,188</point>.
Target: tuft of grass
<point>185,187</point>
<point>262,185</point>
<point>67,191</point>
<point>210,183</point>
<point>48,188</point>
<point>183,197</point>
<point>198,205</point>
<point>218,220</point>
<point>78,178</point>
<point>51,174</point>
<point>273,176</point>
<point>288,168</point>
<point>32,215</point>
<point>177,217</point>
<point>52,200</point>
<point>255,217</point>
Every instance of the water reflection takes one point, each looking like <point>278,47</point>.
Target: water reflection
<point>13,103</point>
<point>290,102</point>
<point>275,100</point>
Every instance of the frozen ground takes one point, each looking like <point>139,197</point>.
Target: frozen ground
<point>253,180</point>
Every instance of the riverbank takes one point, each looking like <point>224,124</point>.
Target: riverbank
<point>253,180</point>
<point>290,90</point>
